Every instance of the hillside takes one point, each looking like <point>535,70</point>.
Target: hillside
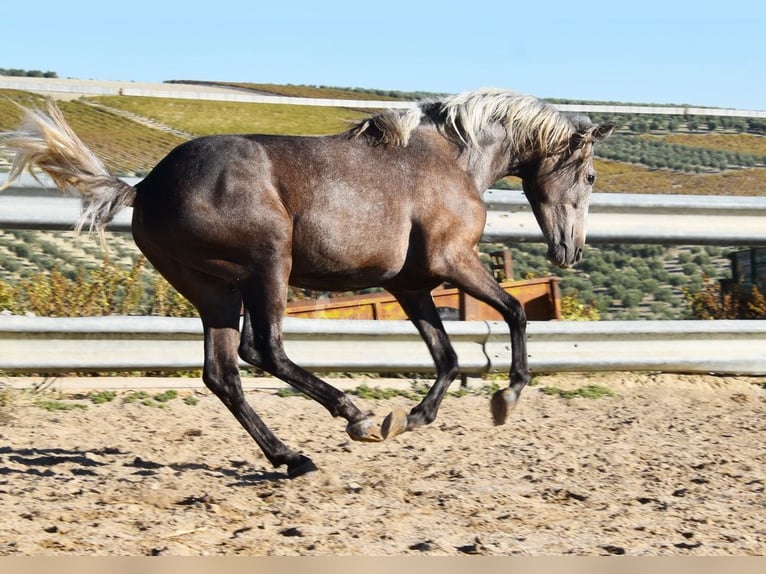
<point>677,155</point>
<point>325,92</point>
<point>125,145</point>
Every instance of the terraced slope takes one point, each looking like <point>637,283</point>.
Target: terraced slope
<point>324,92</point>
<point>126,146</point>
<point>620,177</point>
<point>205,118</point>
<point>132,134</point>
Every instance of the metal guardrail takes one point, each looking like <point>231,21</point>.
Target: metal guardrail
<point>613,217</point>
<point>41,344</point>
<point>641,218</point>
<point>44,344</point>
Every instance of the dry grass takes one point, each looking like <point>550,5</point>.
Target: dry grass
<point>618,177</point>
<point>10,115</point>
<point>307,91</point>
<point>738,143</point>
<point>206,117</point>
<point>124,145</point>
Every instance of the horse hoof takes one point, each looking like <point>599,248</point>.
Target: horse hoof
<point>364,430</point>
<point>395,423</point>
<point>501,405</point>
<point>303,465</point>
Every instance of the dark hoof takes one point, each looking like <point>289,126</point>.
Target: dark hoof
<point>501,405</point>
<point>364,430</point>
<point>301,466</point>
<point>395,423</point>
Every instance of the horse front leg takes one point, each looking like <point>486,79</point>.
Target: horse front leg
<point>471,276</point>
<point>421,310</point>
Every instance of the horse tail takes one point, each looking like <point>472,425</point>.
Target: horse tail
<point>45,140</point>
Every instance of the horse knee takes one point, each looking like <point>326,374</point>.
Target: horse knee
<point>271,359</point>
<point>226,387</point>
<point>252,354</point>
<point>517,315</point>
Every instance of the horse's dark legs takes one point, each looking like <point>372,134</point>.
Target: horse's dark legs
<point>221,375</point>
<point>261,344</point>
<point>420,308</point>
<point>472,277</point>
<point>218,304</point>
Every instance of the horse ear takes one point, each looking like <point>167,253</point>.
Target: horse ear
<point>602,131</point>
<point>591,134</point>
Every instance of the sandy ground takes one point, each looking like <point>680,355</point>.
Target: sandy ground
<point>669,465</point>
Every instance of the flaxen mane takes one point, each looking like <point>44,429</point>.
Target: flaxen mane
<point>392,127</point>
<point>531,123</point>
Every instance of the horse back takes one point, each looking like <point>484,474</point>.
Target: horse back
<point>354,214</point>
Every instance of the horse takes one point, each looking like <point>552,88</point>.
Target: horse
<point>394,202</point>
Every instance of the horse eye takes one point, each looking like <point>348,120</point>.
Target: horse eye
<point>590,178</point>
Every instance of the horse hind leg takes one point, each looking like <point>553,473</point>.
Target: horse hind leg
<point>221,376</point>
<point>261,344</point>
<point>218,304</point>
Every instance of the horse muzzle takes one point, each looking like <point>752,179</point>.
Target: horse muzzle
<point>564,255</point>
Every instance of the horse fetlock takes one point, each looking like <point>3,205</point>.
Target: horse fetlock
<point>421,416</point>
<point>519,380</point>
<point>344,407</point>
<point>502,403</point>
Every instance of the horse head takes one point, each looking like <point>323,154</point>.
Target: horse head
<point>558,187</point>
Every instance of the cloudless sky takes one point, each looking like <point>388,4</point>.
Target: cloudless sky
<point>645,51</point>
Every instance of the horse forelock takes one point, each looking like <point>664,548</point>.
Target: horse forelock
<point>532,125</point>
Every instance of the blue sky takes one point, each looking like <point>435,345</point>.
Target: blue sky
<point>647,51</point>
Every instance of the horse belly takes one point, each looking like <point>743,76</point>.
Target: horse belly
<point>345,260</point>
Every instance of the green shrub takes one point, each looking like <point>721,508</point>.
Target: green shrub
<point>101,397</point>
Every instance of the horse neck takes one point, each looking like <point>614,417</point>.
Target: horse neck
<point>489,160</point>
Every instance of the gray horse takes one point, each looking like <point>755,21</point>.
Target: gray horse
<point>232,220</point>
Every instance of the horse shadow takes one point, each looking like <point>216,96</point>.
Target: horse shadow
<point>57,462</point>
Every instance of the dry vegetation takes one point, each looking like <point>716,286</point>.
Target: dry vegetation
<point>739,143</point>
<point>200,117</point>
<point>618,177</point>
<point>124,145</point>
<point>130,146</point>
<point>307,91</point>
